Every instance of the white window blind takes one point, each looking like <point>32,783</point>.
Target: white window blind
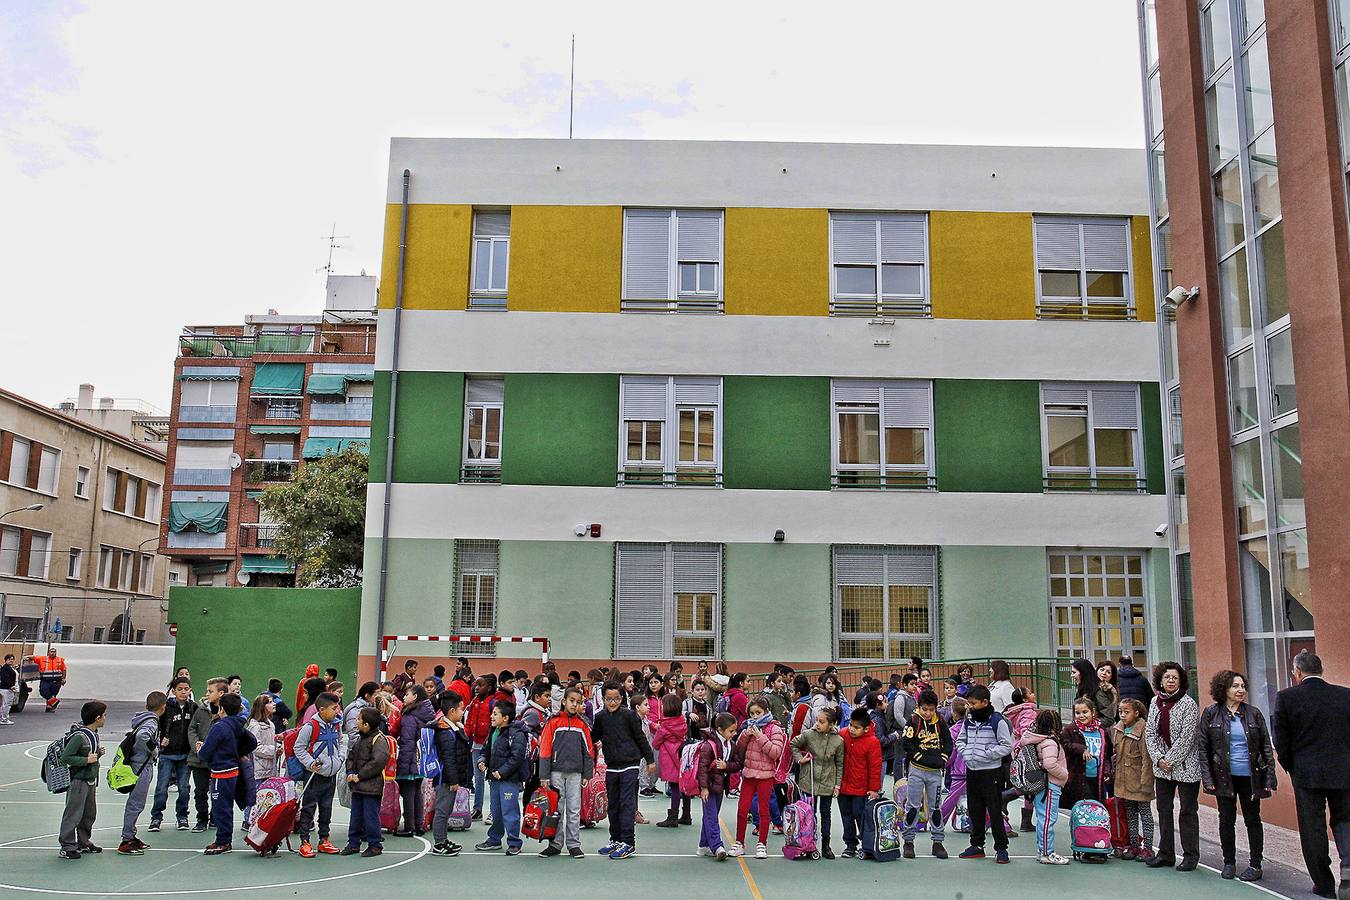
<point>641,626</point>
<point>209,393</point>
<point>667,600</point>
<point>879,264</point>
<point>672,260</point>
<point>491,259</point>
<point>670,430</point>
<point>9,551</point>
<point>883,434</point>
<point>1092,437</point>
<point>203,454</point>
<point>18,461</point>
<point>885,602</point>
<point>1083,268</point>
<point>38,552</point>
<point>49,466</point>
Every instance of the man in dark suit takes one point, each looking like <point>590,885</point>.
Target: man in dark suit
<point>1312,741</point>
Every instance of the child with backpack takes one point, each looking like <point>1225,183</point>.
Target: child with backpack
<point>668,738</point>
<point>698,710</point>
<point>819,752</point>
<point>985,742</point>
<point>862,777</point>
<point>80,753</point>
<point>1134,778</point>
<point>322,753</point>
<point>618,732</point>
<point>534,713</point>
<point>203,717</point>
<point>567,763</point>
<point>1044,736</point>
<point>224,752</point>
<point>927,747</point>
<point>505,766</point>
<point>418,713</point>
<point>144,740</point>
<point>455,752</point>
<point>762,745</point>
<point>717,761</point>
<point>366,759</point>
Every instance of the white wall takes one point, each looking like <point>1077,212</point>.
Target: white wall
<point>113,671</point>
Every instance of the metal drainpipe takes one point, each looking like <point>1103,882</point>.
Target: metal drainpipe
<point>393,418</point>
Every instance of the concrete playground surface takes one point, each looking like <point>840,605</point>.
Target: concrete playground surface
<point>664,867</point>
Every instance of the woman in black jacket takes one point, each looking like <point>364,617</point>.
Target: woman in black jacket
<point>1237,765</point>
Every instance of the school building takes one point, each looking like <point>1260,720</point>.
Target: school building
<point>767,402</point>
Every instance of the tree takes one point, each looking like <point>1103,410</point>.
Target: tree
<point>321,516</point>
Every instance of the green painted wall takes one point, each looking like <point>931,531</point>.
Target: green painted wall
<point>776,433</point>
<point>1150,409</point>
<point>995,602</point>
<point>561,589</point>
<point>419,593</point>
<point>777,602</point>
<point>561,429</point>
<point>430,427</point>
<point>1160,613</point>
<point>263,633</point>
<point>987,435</point>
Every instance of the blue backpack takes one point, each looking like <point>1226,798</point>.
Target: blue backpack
<point>428,760</point>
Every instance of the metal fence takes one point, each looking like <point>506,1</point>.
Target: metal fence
<point>88,620</point>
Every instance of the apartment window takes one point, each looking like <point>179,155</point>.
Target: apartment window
<point>9,551</point>
<point>476,580</point>
<point>47,470</point>
<point>282,408</point>
<point>126,560</point>
<point>74,564</point>
<point>19,452</point>
<point>147,573</point>
<point>879,264</point>
<point>1083,268</point>
<point>82,482</point>
<point>131,495</point>
<point>28,463</point>
<point>224,392</point>
<point>24,552</point>
<point>99,632</point>
<point>670,430</point>
<point>883,434</point>
<point>1091,437</point>
<point>106,561</point>
<point>1097,604</point>
<point>885,602</point>
<point>672,260</point>
<point>482,451</point>
<point>668,601</point>
<point>491,255</point>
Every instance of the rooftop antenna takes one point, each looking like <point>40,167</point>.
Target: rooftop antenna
<point>572,87</point>
<point>332,238</point>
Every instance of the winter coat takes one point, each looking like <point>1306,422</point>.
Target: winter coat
<point>265,755</point>
<point>1216,725</point>
<point>1000,695</point>
<point>803,718</point>
<point>927,745</point>
<point>415,718</point>
<point>956,766</point>
<point>509,752</point>
<point>887,737</point>
<point>478,720</point>
<point>821,701</point>
<point>366,760</point>
<point>1132,684</point>
<point>714,780</point>
<point>620,737</point>
<point>1133,769</point>
<point>1020,719</point>
<point>455,753</point>
<point>899,710</point>
<point>75,753</point>
<point>350,716</point>
<point>985,745</point>
<point>1107,701</point>
<point>323,743</point>
<point>761,752</point>
<point>174,726</point>
<point>668,737</point>
<point>203,717</point>
<point>1312,734</point>
<point>777,705</point>
<point>700,715</point>
<point>1184,754</point>
<point>1075,745</point>
<point>145,746</point>
<point>737,702</point>
<point>534,716</point>
<point>819,775</point>
<point>1050,754</point>
<point>225,747</point>
<point>566,746</point>
<point>862,763</point>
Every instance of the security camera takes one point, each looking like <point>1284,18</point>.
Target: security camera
<point>1179,295</point>
<point>1161,530</point>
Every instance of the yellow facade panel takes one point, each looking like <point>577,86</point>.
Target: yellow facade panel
<point>565,258</point>
<point>982,265</point>
<point>1143,269</point>
<point>777,262</point>
<point>436,270</point>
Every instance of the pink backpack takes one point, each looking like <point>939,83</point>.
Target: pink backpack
<point>689,769</point>
<point>784,767</point>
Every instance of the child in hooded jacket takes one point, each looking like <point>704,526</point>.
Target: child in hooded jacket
<point>1087,751</point>
<point>717,762</point>
<point>668,739</point>
<point>1134,777</point>
<point>862,777</point>
<point>455,752</point>
<point>1044,735</point>
<point>367,756</point>
<point>819,752</point>
<point>761,747</point>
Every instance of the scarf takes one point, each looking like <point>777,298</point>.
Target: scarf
<point>983,714</point>
<point>1165,704</point>
<point>760,722</point>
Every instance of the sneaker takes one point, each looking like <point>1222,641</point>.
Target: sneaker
<point>972,853</point>
<point>182,824</point>
<point>477,814</point>
<point>402,834</point>
<point>371,851</point>
<point>703,851</point>
<point>6,722</point>
<point>154,825</point>
<point>908,852</point>
<point>1229,872</point>
<point>777,829</point>
<point>140,843</point>
<point>939,851</point>
<point>761,851</point>
<point>623,851</point>
<point>1251,873</point>
<point>69,854</point>
<point>487,847</point>
<point>1052,859</point>
<point>721,854</point>
<point>608,848</point>
<point>512,851</point>
<point>576,853</point>
<point>647,792</point>
<point>307,850</point>
<point>827,852</point>
<point>90,848</point>
<point>848,854</point>
<point>217,849</point>
<point>129,848</point>
<point>199,828</point>
<point>325,846</point>
<point>1001,857</point>
<point>352,851</point>
<point>737,849</point>
<point>551,850</point>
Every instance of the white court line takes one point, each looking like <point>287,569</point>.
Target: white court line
<point>13,783</point>
<point>198,850</point>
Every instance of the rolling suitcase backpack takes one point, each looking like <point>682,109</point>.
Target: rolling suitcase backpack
<point>1120,824</point>
<point>540,820</point>
<point>595,798</point>
<point>799,827</point>
<point>461,813</point>
<point>276,806</point>
<point>1090,831</point>
<point>881,830</point>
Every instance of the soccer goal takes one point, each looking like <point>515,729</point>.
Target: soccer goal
<point>389,641</point>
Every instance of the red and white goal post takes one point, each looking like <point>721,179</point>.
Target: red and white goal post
<point>389,641</point>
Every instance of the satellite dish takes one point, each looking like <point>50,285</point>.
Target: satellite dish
<point>243,577</point>
<point>235,461</point>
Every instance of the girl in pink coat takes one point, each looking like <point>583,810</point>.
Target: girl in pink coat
<point>1044,736</point>
<point>761,746</point>
<point>670,730</point>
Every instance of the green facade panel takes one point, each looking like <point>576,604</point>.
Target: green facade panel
<point>560,429</point>
<point>419,594</point>
<point>995,602</point>
<point>776,603</point>
<point>1164,646</point>
<point>776,433</point>
<point>1150,410</point>
<point>562,590</point>
<point>430,427</point>
<point>987,435</point>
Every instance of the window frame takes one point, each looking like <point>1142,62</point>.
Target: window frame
<point>883,470</point>
<point>1083,306</point>
<point>82,482</point>
<point>29,444</point>
<point>491,297</point>
<point>672,590</point>
<point>468,564</point>
<point>1076,478</point>
<point>75,564</point>
<point>483,470</point>
<point>676,300</point>
<point>673,472</point>
<point>1126,601</point>
<point>882,305</point>
<point>885,636</point>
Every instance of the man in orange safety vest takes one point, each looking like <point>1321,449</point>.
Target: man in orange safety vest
<point>51,676</point>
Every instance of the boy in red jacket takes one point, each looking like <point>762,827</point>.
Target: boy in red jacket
<point>862,777</point>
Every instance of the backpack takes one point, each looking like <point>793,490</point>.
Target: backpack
<point>540,820</point>
<point>799,829</point>
<point>391,767</point>
<point>780,771</point>
<point>723,703</point>
<point>56,774</point>
<point>689,769</point>
<point>1090,830</point>
<point>428,760</point>
<point>1026,775</point>
<point>294,768</point>
<point>121,777</point>
<point>881,830</point>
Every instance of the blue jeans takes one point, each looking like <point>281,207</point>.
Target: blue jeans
<point>1047,811</point>
<point>505,800</point>
<point>365,822</point>
<point>479,755</point>
<point>172,770</point>
<point>852,807</point>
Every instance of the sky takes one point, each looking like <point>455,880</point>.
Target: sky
<point>166,164</point>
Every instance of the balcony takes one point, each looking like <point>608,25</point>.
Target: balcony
<point>875,481</point>
<point>351,338</point>
<point>260,471</point>
<point>1101,483</point>
<point>195,540</point>
<point>278,408</point>
<point>654,477</point>
<point>480,474</point>
<point>888,308</point>
<point>1105,311</point>
<point>260,535</point>
<point>353,409</point>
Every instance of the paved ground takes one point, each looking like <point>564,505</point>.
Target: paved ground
<point>664,867</point>
<point>33,724</point>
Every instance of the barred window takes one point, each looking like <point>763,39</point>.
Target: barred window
<point>476,585</point>
<point>885,602</point>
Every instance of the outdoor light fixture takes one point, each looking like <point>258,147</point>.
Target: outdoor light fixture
<point>779,536</point>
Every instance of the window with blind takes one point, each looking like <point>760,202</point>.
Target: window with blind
<point>879,264</point>
<point>28,463</point>
<point>24,552</point>
<point>491,255</point>
<point>883,434</point>
<point>668,601</point>
<point>672,260</point>
<point>885,602</point>
<point>476,588</point>
<point>1083,268</point>
<point>1091,435</point>
<point>482,451</point>
<point>670,431</point>
<point>131,495</point>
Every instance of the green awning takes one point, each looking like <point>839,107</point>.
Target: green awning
<point>274,429</point>
<point>316,447</point>
<point>256,563</point>
<point>327,385</point>
<point>361,376</point>
<point>223,375</point>
<point>207,517</point>
<point>278,379</point>
<point>215,568</point>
